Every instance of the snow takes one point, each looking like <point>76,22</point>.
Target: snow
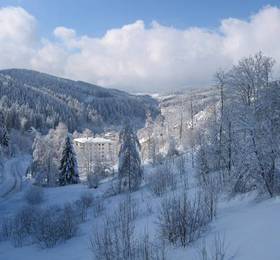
<point>76,249</point>
<point>11,176</point>
<point>92,140</point>
<point>251,227</point>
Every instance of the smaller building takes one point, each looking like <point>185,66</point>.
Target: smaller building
<point>92,151</point>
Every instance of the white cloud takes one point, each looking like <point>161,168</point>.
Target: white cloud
<point>17,37</point>
<point>50,59</point>
<point>64,34</point>
<point>137,57</point>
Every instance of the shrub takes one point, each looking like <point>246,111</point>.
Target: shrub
<point>182,220</point>
<point>20,227</point>
<point>210,191</point>
<point>162,180</point>
<point>68,222</point>
<point>87,199</point>
<point>128,208</point>
<point>216,249</point>
<point>34,195</point>
<point>54,225</point>
<point>98,206</point>
<point>5,228</point>
<point>116,239</point>
<point>92,180</point>
<point>82,205</point>
<point>148,250</point>
<point>47,227</point>
<point>113,190</point>
<point>149,208</point>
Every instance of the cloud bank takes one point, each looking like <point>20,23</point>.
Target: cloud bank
<point>138,57</point>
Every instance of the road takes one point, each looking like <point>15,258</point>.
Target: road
<point>13,172</point>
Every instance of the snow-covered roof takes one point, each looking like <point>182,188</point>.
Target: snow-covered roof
<point>92,140</point>
<point>143,140</point>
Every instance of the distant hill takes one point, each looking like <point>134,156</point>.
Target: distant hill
<point>30,98</point>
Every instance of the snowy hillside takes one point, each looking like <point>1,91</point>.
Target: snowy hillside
<point>40,100</point>
<point>249,227</point>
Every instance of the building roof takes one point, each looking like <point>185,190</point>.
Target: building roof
<point>92,140</point>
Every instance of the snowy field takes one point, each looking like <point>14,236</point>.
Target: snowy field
<point>250,227</point>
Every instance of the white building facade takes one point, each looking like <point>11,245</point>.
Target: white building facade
<point>93,151</point>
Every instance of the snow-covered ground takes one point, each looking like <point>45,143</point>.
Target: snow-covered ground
<point>12,174</point>
<point>250,227</point>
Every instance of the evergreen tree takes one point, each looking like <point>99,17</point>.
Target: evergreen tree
<point>68,172</point>
<point>4,137</point>
<point>130,170</point>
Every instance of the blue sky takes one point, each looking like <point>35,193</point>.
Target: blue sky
<point>187,44</point>
<point>95,17</point>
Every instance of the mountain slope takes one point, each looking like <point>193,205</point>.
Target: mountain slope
<point>44,100</point>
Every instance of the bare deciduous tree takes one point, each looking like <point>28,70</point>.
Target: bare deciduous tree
<point>181,220</point>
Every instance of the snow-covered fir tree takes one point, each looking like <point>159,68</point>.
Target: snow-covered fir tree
<point>68,171</point>
<point>4,137</point>
<point>130,170</point>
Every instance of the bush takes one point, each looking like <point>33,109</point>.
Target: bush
<point>19,228</point>
<point>149,208</point>
<point>148,250</point>
<point>55,225</point>
<point>128,208</point>
<point>98,206</point>
<point>182,169</point>
<point>162,180</point>
<point>46,227</point>
<point>216,249</point>
<point>68,222</point>
<point>5,228</point>
<point>92,180</point>
<point>113,190</point>
<point>210,191</point>
<point>34,195</point>
<point>22,225</point>
<point>82,205</point>
<point>182,220</point>
<point>116,239</point>
<point>87,199</point>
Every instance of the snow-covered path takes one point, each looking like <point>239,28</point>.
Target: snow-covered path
<point>13,171</point>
